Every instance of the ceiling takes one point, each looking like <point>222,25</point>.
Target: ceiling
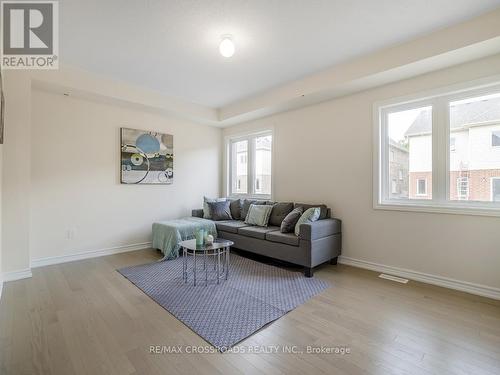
<point>171,46</point>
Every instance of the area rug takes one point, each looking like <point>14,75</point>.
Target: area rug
<point>224,314</point>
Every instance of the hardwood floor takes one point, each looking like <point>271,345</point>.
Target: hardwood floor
<point>85,318</point>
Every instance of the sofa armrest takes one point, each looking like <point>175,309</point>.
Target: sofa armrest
<point>197,212</point>
<point>319,229</point>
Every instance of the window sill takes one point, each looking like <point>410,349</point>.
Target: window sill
<point>455,209</point>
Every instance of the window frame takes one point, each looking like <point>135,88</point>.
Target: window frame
<point>439,99</point>
<point>251,178</point>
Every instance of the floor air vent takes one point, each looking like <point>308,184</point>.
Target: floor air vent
<point>393,278</point>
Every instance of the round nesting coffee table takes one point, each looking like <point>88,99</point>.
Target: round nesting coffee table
<point>219,249</point>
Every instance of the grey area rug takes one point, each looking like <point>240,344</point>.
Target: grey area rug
<point>254,295</point>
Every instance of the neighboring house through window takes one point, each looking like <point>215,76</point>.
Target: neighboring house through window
<point>495,138</point>
<point>495,189</point>
<point>463,188</point>
<point>421,186</point>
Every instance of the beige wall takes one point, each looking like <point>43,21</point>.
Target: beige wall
<point>323,153</point>
<point>75,180</point>
<point>16,172</point>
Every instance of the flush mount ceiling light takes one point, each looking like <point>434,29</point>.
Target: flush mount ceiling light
<point>226,46</point>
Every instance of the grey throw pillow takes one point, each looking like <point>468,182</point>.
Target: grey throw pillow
<point>206,211</point>
<point>279,212</point>
<point>220,210</point>
<point>288,223</point>
<point>235,207</point>
<point>258,214</point>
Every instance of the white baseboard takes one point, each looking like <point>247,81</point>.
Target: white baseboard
<point>464,286</point>
<point>16,275</point>
<point>40,262</point>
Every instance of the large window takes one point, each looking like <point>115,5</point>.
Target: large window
<point>250,165</point>
<point>447,148</point>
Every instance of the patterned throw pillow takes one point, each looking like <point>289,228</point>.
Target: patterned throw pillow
<point>246,206</point>
<point>220,210</point>
<point>258,214</point>
<point>206,211</point>
<point>310,215</point>
<point>288,223</point>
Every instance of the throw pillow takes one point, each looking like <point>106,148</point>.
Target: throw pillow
<point>288,223</point>
<point>279,212</point>
<point>246,206</point>
<point>206,211</point>
<point>235,207</point>
<point>310,215</point>
<point>258,214</point>
<point>220,210</point>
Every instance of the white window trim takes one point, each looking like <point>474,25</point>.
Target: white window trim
<point>227,177</point>
<point>440,202</point>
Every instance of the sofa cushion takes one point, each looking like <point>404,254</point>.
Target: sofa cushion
<point>219,210</point>
<point>323,209</point>
<point>230,226</point>
<point>285,238</point>
<point>235,207</point>
<point>288,223</point>
<point>246,206</point>
<point>256,232</point>
<point>279,212</point>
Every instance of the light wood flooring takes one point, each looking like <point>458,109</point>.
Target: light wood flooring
<point>85,318</point>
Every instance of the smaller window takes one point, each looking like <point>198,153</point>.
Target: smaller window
<point>400,174</point>
<point>452,144</point>
<point>463,188</point>
<point>495,138</point>
<point>391,157</point>
<point>421,186</point>
<point>243,158</point>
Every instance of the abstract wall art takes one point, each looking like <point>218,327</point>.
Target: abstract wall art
<point>147,157</point>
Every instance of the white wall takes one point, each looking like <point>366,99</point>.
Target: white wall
<point>75,181</point>
<point>323,153</point>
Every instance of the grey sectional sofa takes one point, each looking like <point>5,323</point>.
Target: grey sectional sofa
<point>318,242</point>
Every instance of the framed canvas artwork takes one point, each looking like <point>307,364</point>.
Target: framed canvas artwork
<point>147,157</point>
